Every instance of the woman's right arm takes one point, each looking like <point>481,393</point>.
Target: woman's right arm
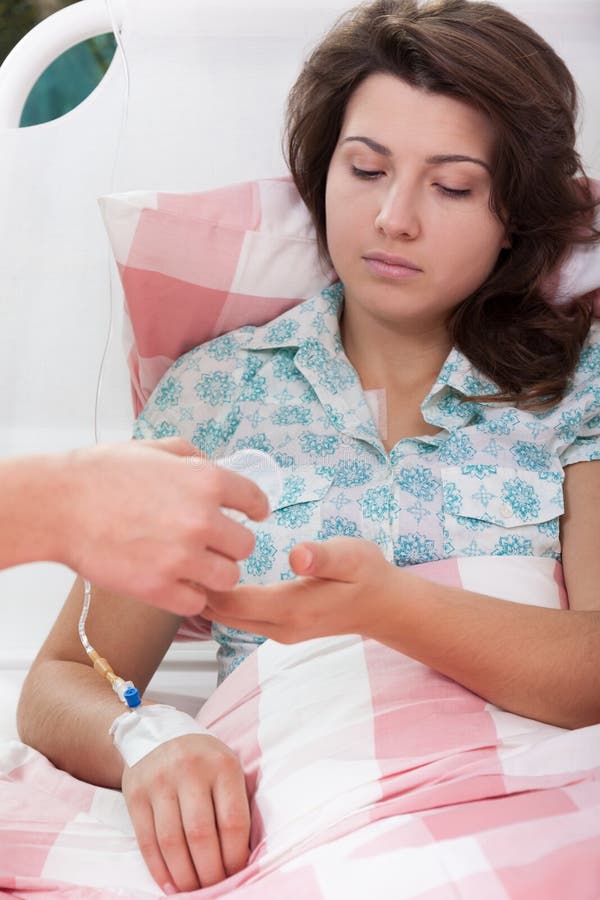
<point>66,707</point>
<point>187,798</point>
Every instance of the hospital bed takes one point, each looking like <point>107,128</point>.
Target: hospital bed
<point>192,100</point>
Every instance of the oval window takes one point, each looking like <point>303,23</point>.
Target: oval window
<point>68,80</point>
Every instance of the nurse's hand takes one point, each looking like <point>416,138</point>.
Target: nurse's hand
<point>189,808</point>
<point>143,520</point>
<point>345,586</point>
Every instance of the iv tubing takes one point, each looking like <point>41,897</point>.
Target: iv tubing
<point>125,690</point>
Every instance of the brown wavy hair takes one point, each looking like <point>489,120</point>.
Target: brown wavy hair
<point>479,53</point>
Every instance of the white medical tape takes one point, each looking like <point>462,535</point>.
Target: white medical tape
<point>377,402</point>
<point>140,731</point>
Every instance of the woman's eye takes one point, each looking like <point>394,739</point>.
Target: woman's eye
<point>453,192</point>
<point>366,173</point>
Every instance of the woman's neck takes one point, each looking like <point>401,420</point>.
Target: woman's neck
<point>401,360</point>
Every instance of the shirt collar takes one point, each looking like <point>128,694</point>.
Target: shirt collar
<point>315,319</point>
<point>314,326</point>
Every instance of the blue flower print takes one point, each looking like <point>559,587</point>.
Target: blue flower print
<point>593,423</point>
<point>319,445</point>
<point>570,424</point>
<point>549,529</point>
<point>284,367</point>
<point>589,390</point>
<point>452,498</point>
<point>313,354</point>
<point>263,556</point>
<point>284,460</point>
<point>350,472</point>
<point>456,449</point>
<point>474,385</point>
<point>513,545</point>
<point>531,457</point>
<point>210,436</point>
<point>258,441</point>
<point>292,489</point>
<point>168,393</point>
<point>411,549</point>
<point>216,388</point>
<point>379,504</point>
<point>142,428</point>
<point>255,389</point>
<point>448,370</point>
<point>294,516</point>
<point>480,470</point>
<point>319,325</point>
<point>473,524</point>
<point>336,418</point>
<point>418,481</point>
<point>164,429</point>
<point>292,415</point>
<point>308,396</point>
<point>521,497</point>
<point>589,361</point>
<point>334,294</point>
<point>222,347</point>
<point>451,405</point>
<point>281,332</point>
<point>252,365</point>
<point>337,375</point>
<point>503,424</point>
<point>337,525</point>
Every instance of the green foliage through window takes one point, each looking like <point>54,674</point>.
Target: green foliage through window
<point>71,77</point>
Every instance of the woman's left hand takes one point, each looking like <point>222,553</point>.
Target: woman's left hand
<point>343,588</point>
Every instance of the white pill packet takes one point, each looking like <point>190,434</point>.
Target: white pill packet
<point>261,468</point>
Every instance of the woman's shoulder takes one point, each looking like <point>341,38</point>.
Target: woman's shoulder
<point>287,329</point>
<point>588,364</point>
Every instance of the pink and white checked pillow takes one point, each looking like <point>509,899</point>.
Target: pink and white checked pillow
<point>196,265</point>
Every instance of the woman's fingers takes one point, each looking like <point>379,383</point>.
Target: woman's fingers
<point>189,808</point>
<point>172,843</point>
<point>232,813</point>
<point>200,827</point>
<point>142,819</point>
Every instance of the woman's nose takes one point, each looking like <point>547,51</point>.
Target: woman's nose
<point>398,215</point>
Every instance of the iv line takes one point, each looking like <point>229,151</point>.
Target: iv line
<point>126,690</point>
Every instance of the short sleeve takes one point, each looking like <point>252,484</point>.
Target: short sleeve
<point>197,398</point>
<point>578,426</point>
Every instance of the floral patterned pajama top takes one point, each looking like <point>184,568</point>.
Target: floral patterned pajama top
<point>490,482</point>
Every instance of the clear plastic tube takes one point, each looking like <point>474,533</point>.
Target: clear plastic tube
<point>126,690</point>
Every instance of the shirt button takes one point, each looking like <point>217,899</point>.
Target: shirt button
<point>506,511</point>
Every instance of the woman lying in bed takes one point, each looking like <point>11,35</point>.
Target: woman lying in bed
<point>431,404</point>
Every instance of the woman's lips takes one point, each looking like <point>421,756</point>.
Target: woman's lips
<point>390,270</point>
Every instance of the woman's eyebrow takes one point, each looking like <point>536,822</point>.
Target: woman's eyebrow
<point>432,160</point>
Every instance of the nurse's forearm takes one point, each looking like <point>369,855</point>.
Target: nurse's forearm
<point>536,662</point>
<point>32,491</point>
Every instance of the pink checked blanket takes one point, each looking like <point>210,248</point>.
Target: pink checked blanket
<point>370,775</point>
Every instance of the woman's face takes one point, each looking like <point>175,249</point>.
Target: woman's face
<point>396,193</point>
